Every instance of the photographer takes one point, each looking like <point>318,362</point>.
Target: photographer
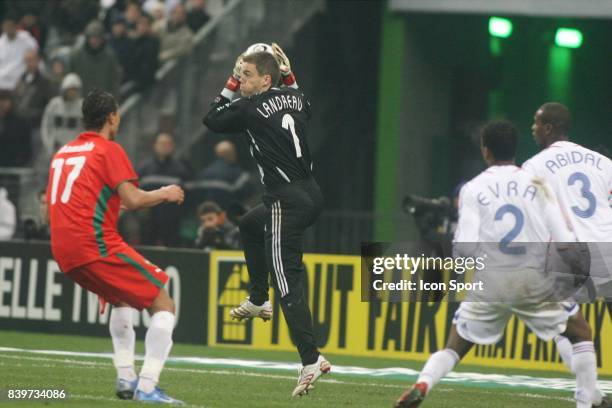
<point>435,218</point>
<point>38,229</point>
<point>216,231</point>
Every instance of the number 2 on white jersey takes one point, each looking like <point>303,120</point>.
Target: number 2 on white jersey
<point>289,124</point>
<point>519,221</point>
<point>57,165</point>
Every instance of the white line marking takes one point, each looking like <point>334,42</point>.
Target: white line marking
<point>95,365</point>
<point>561,384</point>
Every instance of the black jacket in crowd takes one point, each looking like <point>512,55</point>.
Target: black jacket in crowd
<point>144,61</point>
<point>155,173</point>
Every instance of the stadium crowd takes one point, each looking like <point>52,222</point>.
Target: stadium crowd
<point>52,53</point>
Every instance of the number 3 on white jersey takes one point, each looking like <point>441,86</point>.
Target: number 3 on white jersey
<point>57,165</point>
<point>289,124</point>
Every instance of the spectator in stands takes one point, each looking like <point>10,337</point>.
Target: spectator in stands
<point>13,46</point>
<point>112,10</point>
<point>162,223</point>
<point>38,228</point>
<point>167,5</point>
<point>158,12</point>
<point>15,146</point>
<point>95,63</point>
<point>8,216</point>
<point>216,231</point>
<point>197,15</point>
<point>145,47</point>
<point>32,94</point>
<point>133,12</point>
<point>33,91</point>
<point>61,121</point>
<point>73,16</point>
<point>58,65</point>
<point>177,36</point>
<point>32,24</point>
<point>121,44</point>
<point>223,181</point>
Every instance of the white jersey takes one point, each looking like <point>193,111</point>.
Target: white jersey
<point>582,181</point>
<point>508,217</point>
<point>508,212</point>
<point>507,204</point>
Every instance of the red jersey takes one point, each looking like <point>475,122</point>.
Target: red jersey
<point>83,199</point>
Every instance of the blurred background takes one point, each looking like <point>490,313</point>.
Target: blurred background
<point>399,91</point>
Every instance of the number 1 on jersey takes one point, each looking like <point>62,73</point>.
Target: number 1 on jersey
<point>289,124</point>
<point>57,165</point>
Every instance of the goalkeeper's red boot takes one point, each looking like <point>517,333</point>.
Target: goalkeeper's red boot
<point>413,397</point>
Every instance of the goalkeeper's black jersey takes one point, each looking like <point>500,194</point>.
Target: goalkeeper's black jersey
<point>275,125</point>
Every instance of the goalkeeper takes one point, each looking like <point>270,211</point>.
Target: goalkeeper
<point>274,122</point>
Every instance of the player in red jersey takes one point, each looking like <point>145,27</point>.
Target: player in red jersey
<point>89,179</point>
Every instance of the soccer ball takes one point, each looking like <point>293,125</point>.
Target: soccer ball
<point>259,47</point>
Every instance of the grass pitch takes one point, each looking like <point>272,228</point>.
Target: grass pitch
<point>89,380</point>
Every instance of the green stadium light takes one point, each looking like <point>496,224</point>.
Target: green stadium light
<point>568,38</point>
<point>500,27</point>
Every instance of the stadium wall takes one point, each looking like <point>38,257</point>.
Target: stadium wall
<point>35,296</point>
<point>346,325</point>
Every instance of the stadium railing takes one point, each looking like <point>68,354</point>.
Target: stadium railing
<point>186,86</point>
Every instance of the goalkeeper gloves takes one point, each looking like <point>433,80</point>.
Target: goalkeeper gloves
<point>284,64</point>
<point>238,67</point>
<point>233,82</point>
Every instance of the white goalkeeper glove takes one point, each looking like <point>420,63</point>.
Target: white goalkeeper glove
<point>233,82</point>
<point>284,64</point>
<point>238,67</point>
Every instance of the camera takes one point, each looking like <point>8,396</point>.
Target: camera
<point>435,218</point>
<point>32,230</point>
<point>212,238</point>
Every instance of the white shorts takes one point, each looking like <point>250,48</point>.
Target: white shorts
<point>484,323</point>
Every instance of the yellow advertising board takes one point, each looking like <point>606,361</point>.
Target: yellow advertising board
<point>345,325</point>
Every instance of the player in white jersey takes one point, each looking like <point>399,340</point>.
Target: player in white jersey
<point>582,181</point>
<point>507,206</point>
<point>581,178</point>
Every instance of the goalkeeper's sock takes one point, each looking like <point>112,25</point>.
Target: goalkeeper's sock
<point>585,368</point>
<point>438,366</point>
<point>158,343</point>
<point>121,328</point>
<point>564,347</point>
